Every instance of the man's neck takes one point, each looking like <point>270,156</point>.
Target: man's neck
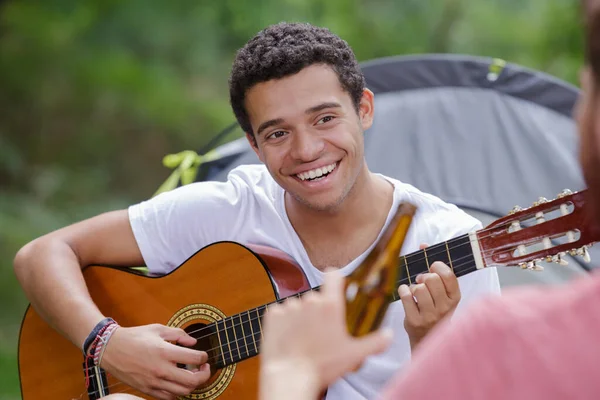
<point>368,202</point>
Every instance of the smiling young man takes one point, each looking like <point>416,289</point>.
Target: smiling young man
<point>299,95</point>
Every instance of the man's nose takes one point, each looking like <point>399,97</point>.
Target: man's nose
<point>307,146</point>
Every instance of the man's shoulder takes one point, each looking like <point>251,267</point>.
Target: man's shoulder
<point>252,174</point>
<point>246,179</point>
<point>419,197</point>
<point>432,207</point>
<point>243,184</point>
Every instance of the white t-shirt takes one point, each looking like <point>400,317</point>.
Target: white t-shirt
<point>249,208</point>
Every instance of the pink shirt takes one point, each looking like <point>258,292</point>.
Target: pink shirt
<point>530,343</point>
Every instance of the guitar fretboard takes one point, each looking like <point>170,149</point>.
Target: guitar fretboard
<point>238,337</point>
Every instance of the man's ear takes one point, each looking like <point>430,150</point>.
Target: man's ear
<point>252,140</point>
<point>366,109</point>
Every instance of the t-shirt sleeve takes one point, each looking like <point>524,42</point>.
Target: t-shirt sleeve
<point>174,225</point>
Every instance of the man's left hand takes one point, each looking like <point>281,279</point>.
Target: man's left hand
<point>434,296</point>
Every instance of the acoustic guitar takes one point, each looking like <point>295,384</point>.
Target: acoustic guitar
<point>221,292</point>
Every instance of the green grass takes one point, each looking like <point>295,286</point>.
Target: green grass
<point>9,374</point>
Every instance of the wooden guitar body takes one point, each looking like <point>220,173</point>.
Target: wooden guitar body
<point>220,280</point>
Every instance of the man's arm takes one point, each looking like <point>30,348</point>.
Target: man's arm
<point>49,270</point>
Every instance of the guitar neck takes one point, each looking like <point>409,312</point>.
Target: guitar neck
<point>457,253</point>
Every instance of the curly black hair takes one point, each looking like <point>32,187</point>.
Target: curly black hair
<point>285,49</point>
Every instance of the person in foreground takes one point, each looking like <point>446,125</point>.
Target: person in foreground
<point>298,93</point>
<point>531,343</point>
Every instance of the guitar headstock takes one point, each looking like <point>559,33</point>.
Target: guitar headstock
<point>547,231</point>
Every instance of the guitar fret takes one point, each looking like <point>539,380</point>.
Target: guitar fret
<point>252,332</point>
<point>438,253</point>
<point>236,350</point>
<point>244,334</point>
<point>220,329</point>
<point>461,255</point>
<point>449,258</point>
<point>426,260</point>
<point>416,264</point>
<point>255,324</point>
<point>239,335</point>
<point>259,318</point>
<point>229,332</point>
<point>407,271</point>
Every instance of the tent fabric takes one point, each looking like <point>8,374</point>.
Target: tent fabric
<point>448,70</point>
<point>477,132</point>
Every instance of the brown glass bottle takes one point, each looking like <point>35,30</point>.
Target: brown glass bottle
<point>371,286</point>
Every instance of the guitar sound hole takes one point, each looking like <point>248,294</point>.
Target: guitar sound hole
<point>206,340</point>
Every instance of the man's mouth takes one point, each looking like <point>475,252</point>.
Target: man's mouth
<point>317,173</point>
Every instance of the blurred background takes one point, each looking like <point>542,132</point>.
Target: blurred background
<point>93,93</point>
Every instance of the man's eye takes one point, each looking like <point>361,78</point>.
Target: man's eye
<point>276,135</point>
<point>325,119</point>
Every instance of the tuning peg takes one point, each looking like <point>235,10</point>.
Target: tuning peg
<point>530,265</point>
<point>534,266</point>
<point>564,193</point>
<point>583,251</point>
<point>572,252</point>
<point>540,201</point>
<point>515,209</point>
<point>559,259</point>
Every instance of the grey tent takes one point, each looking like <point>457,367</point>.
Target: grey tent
<point>477,132</point>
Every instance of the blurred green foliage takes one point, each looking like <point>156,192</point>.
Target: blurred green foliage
<point>93,93</point>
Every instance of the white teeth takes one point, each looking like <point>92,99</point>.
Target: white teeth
<point>317,172</point>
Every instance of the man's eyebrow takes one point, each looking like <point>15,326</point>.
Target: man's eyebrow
<point>323,106</point>
<point>276,121</point>
<point>268,124</point>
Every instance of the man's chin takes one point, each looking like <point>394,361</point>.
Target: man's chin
<point>317,204</point>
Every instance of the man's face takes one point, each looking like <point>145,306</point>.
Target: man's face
<point>588,121</point>
<point>309,135</point>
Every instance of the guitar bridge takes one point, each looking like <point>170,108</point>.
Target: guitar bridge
<point>95,379</point>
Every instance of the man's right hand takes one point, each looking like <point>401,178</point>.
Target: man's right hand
<point>146,357</point>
